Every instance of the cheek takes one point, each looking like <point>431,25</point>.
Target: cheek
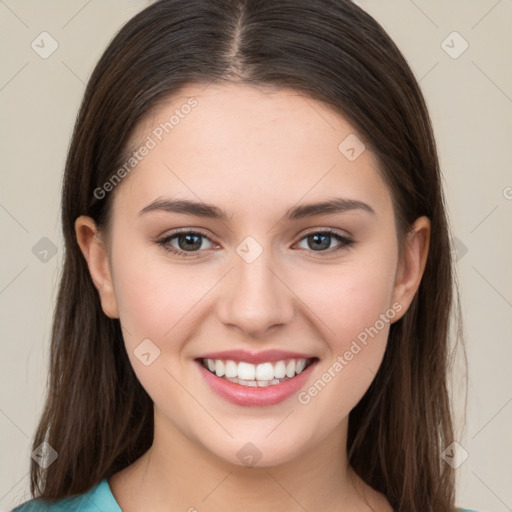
<point>352,303</point>
<point>157,302</point>
<point>348,298</point>
<point>150,298</point>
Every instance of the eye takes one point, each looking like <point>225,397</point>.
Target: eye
<point>188,243</point>
<point>320,241</point>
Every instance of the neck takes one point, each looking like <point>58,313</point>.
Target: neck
<point>177,473</point>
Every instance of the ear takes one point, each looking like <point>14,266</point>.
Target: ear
<point>411,265</point>
<point>95,253</point>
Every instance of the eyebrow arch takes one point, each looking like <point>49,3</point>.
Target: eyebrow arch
<point>187,207</point>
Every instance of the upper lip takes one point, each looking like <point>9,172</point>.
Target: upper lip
<point>255,357</point>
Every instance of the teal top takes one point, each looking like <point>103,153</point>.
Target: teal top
<point>98,499</point>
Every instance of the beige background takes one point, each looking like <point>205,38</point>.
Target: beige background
<point>470,100</point>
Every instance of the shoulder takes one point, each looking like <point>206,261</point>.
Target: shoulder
<point>465,510</point>
<point>99,497</point>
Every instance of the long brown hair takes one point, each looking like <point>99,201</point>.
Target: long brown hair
<point>97,416</point>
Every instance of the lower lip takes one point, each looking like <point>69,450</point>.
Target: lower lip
<point>256,396</point>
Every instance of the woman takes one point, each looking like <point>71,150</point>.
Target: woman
<point>256,296</point>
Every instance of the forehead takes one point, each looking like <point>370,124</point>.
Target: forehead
<point>250,149</point>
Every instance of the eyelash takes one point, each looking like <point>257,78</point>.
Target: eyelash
<point>345,242</point>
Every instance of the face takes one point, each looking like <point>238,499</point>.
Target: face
<point>257,272</point>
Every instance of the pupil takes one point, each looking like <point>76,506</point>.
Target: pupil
<point>188,243</point>
<point>317,236</point>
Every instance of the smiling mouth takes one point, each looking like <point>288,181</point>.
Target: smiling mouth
<point>256,375</point>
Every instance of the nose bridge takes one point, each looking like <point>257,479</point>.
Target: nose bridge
<point>255,298</point>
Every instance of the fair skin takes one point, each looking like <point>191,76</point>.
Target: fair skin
<point>253,154</point>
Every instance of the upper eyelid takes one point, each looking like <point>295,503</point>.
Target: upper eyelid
<point>186,232</point>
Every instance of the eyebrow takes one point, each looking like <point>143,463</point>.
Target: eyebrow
<point>198,209</point>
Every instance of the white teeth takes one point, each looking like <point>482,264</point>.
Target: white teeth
<point>279,370</point>
<point>301,364</point>
<point>231,369</point>
<point>290,369</point>
<point>219,367</point>
<point>246,371</point>
<point>254,383</point>
<point>265,371</point>
<point>264,374</point>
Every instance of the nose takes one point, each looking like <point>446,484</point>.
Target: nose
<point>255,297</point>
